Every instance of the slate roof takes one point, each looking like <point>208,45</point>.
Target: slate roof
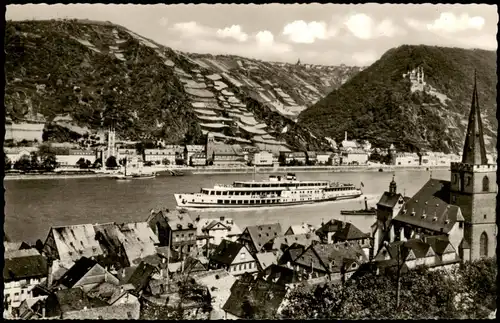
<point>280,275</point>
<point>77,271</point>
<point>440,244</point>
<point>76,241</point>
<point>219,283</point>
<point>265,259</point>
<point>301,228</point>
<point>264,296</point>
<point>226,252</point>
<point>350,232</point>
<point>16,245</point>
<point>389,199</point>
<point>262,234</point>
<point>433,201</point>
<point>178,220</point>
<point>301,239</point>
<point>208,224</point>
<point>75,299</point>
<point>331,226</point>
<point>141,276</point>
<point>24,264</point>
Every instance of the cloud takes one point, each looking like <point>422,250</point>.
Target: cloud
<point>163,21</point>
<point>264,37</point>
<point>191,29</point>
<point>234,32</point>
<point>450,23</point>
<point>364,27</point>
<point>300,31</point>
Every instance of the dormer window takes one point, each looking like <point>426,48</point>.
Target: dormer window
<point>412,213</point>
<point>424,216</point>
<point>434,218</point>
<point>448,221</point>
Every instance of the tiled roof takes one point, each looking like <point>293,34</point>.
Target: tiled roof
<point>433,201</point>
<point>31,265</point>
<point>262,234</point>
<point>76,241</point>
<point>302,239</point>
<point>226,252</point>
<point>265,259</point>
<point>81,267</point>
<point>389,200</point>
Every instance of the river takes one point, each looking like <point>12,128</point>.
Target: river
<point>33,206</point>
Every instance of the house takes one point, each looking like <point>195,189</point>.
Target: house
<point>311,158</point>
<point>388,207</point>
<point>284,242</point>
<point>219,283</point>
<point>266,259</point>
<point>260,237</point>
<point>126,244</point>
<point>15,153</point>
<point>175,229</point>
<point>254,299</point>
<point>338,231</point>
<point>198,159</point>
<point>334,159</point>
<point>263,158</point>
<point>15,245</point>
<point>74,303</point>
<point>354,156</point>
<point>22,271</point>
<point>323,157</point>
<point>190,150</point>
<point>169,152</point>
<point>435,252</point>
<point>234,257</point>
<point>223,155</point>
<point>406,159</point>
<point>27,130</point>
<point>290,254</point>
<point>302,228</point>
<point>299,157</point>
<point>136,278</point>
<point>280,275</point>
<point>31,308</point>
<point>86,274</point>
<point>348,144</point>
<point>70,157</point>
<point>332,260</point>
<point>69,243</point>
<point>213,231</point>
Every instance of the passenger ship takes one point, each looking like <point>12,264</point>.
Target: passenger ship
<point>277,191</point>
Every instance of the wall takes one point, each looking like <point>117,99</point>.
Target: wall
<point>359,158</point>
<point>71,160</point>
<point>243,262</point>
<point>27,131</point>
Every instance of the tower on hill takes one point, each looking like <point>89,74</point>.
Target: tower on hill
<point>474,189</point>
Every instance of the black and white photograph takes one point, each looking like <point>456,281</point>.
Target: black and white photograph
<point>271,161</point>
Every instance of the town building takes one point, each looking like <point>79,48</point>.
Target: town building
<point>302,228</point>
<point>406,159</point>
<point>260,238</point>
<point>29,129</point>
<point>263,158</point>
<point>15,153</point>
<point>282,243</point>
<point>213,231</point>
<point>323,157</point>
<point>198,159</point>
<point>311,158</point>
<point>354,156</point>
<point>169,152</point>
<point>175,229</point>
<point>223,155</point>
<point>335,231</point>
<point>233,257</point>
<point>190,150</point>
<point>23,270</point>
<point>85,274</point>
<point>70,157</point>
<point>348,144</point>
<point>219,282</point>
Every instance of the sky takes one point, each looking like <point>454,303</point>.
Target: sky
<point>326,34</point>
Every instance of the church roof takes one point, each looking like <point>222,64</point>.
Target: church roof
<point>389,199</point>
<point>474,147</point>
<point>432,200</point>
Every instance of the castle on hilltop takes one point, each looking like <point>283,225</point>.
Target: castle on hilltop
<point>416,77</point>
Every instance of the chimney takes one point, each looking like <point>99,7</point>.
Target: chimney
<point>122,289</point>
<point>345,136</point>
<point>222,218</point>
<point>43,312</point>
<point>366,203</point>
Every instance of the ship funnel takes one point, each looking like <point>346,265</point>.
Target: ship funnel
<point>366,204</point>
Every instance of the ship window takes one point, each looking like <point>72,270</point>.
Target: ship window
<point>224,193</point>
<point>217,193</point>
<point>240,202</point>
<point>245,202</point>
<point>233,202</point>
<point>219,201</point>
<point>212,192</point>
<point>226,201</point>
<point>252,201</point>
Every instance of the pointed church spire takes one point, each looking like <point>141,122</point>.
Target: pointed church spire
<point>474,149</point>
<point>393,186</point>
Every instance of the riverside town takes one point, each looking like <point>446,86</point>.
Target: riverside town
<point>176,162</point>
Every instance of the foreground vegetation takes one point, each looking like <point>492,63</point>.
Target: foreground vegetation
<point>468,291</point>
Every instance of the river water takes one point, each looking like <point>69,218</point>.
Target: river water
<point>33,206</point>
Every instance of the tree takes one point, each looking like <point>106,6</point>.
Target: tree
<point>48,160</point>
<point>97,163</point>
<point>49,163</point>
<point>123,161</point>
<point>111,162</point>
<point>8,163</point>
<point>81,163</point>
<point>23,163</point>
<point>165,162</point>
<point>34,161</point>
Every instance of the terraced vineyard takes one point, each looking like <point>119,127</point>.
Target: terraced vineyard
<point>99,74</point>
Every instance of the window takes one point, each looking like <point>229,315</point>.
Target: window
<point>129,315</point>
<point>469,180</point>
<point>486,184</point>
<point>485,216</point>
<point>483,245</point>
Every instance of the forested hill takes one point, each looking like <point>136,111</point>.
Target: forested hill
<point>381,105</point>
<point>83,76</point>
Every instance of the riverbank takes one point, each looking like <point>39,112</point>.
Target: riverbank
<point>243,170</point>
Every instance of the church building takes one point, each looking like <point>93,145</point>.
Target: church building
<point>461,211</point>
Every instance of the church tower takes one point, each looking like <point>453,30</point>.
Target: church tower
<point>474,189</point>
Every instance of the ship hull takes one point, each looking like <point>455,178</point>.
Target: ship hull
<point>188,205</point>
